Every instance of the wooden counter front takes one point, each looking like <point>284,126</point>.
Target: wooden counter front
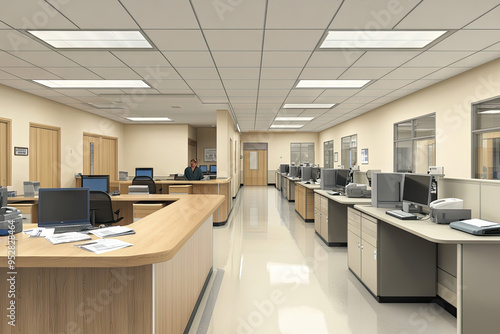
<point>150,287</point>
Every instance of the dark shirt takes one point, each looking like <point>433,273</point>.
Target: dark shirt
<point>197,174</point>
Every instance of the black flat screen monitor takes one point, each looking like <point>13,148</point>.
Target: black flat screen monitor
<point>144,171</point>
<point>63,205</point>
<point>417,189</point>
<point>213,168</point>
<point>96,182</point>
<point>203,168</point>
<point>341,177</point>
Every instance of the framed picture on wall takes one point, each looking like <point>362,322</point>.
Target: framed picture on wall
<point>210,154</point>
<point>335,156</point>
<point>364,156</point>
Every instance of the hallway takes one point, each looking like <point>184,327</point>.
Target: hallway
<point>279,277</point>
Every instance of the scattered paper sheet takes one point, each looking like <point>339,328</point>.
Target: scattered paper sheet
<point>112,231</point>
<point>68,237</point>
<point>100,246</point>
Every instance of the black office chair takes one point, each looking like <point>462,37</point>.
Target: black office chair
<point>145,181</point>
<point>101,210</point>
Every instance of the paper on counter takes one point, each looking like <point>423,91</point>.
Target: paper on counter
<point>68,237</point>
<point>112,231</point>
<point>100,246</point>
<point>479,222</point>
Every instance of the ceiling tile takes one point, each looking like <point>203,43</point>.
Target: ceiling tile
<point>155,74</point>
<point>476,59</point>
<point>78,73</point>
<point>210,92</point>
<point>45,58</point>
<point>390,84</point>
<point>13,41</point>
<point>237,59</point>
<point>437,14</point>
<point>446,73</point>
<point>32,14</point>
<point>230,14</point>
<point>30,73</point>
<point>318,73</point>
<point>177,40</point>
<point>7,76</point>
<point>355,73</point>
<point>468,40</point>
<point>159,14</point>
<point>142,58</point>
<point>436,59</point>
<point>371,15</point>
<point>409,73</point>
<point>277,84</point>
<point>234,40</point>
<point>300,99</point>
<point>169,85</point>
<point>339,92</point>
<point>311,14</point>
<point>274,92</point>
<point>8,60</point>
<point>22,84</point>
<point>213,99</point>
<point>285,59</point>
<point>280,73</point>
<point>95,14</point>
<point>239,73</point>
<point>306,92</point>
<point>241,92</point>
<point>198,73</point>
<point>241,84</point>
<point>204,84</point>
<point>94,58</point>
<point>421,84</point>
<point>239,100</point>
<point>487,21</point>
<point>189,59</point>
<point>385,58</point>
<point>297,40</point>
<point>341,59</point>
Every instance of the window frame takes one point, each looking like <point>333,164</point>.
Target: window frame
<point>302,150</point>
<point>331,154</point>
<point>476,132</point>
<point>351,149</point>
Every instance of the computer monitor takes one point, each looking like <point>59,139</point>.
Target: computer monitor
<point>96,182</point>
<point>213,168</point>
<point>416,190</point>
<point>341,178</point>
<point>144,171</point>
<point>293,171</point>
<point>203,168</point>
<point>284,168</point>
<point>66,206</point>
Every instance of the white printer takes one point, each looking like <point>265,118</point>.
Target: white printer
<point>447,210</point>
<point>357,190</point>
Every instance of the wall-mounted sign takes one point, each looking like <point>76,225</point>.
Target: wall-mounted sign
<point>21,151</point>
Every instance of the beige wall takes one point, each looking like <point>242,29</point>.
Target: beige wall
<point>207,138</point>
<point>228,139</point>
<point>163,147</point>
<point>279,145</point>
<point>24,108</point>
<point>450,100</point>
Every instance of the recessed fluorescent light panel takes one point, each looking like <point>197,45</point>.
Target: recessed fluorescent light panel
<point>332,83</point>
<point>489,112</point>
<point>308,106</point>
<point>293,119</point>
<point>380,39</point>
<point>286,126</point>
<point>93,83</point>
<point>149,119</point>
<point>92,39</point>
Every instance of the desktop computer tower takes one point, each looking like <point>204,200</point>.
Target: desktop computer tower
<point>387,190</point>
<point>328,177</point>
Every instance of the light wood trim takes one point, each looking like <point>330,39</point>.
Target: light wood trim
<point>8,153</point>
<point>158,237</point>
<point>35,148</point>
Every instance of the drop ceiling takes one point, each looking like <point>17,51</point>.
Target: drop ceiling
<point>243,56</point>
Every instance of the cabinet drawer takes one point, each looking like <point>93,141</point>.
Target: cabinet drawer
<point>356,229</point>
<point>324,205</point>
<point>369,231</point>
<point>317,201</point>
<point>353,214</point>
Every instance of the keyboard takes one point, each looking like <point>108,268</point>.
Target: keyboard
<point>73,228</point>
<point>334,193</point>
<point>401,214</point>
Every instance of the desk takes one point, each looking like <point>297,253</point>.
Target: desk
<point>153,284</point>
<point>215,187</point>
<point>304,200</point>
<point>288,187</point>
<point>330,216</point>
<point>400,260</point>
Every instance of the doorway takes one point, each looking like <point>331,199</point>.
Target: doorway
<point>255,164</point>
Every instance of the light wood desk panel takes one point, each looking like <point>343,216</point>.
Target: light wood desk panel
<point>156,282</point>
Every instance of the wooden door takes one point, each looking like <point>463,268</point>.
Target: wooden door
<point>5,157</point>
<point>105,155</point>
<point>255,167</point>
<point>45,155</point>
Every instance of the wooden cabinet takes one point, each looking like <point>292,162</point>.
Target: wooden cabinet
<point>29,212</point>
<point>362,248</point>
<point>321,217</point>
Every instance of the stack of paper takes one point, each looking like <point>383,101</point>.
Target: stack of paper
<point>67,237</point>
<point>113,231</point>
<point>100,246</point>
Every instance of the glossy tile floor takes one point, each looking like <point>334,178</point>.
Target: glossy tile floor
<point>279,277</point>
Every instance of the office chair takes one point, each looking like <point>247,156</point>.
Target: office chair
<point>147,181</point>
<point>101,210</point>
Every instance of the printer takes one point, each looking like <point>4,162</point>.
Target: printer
<point>9,216</point>
<point>447,210</point>
<point>357,190</point>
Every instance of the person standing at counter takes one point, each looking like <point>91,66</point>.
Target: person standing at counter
<point>193,172</point>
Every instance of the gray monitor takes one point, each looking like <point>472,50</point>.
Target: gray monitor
<point>293,171</point>
<point>306,173</point>
<point>328,178</point>
<point>3,197</point>
<point>29,189</point>
<point>387,190</point>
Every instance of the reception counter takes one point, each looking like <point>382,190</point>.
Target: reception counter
<point>150,287</point>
